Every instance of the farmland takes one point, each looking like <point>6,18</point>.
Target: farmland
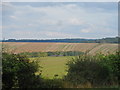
<point>57,65</point>
<point>92,48</point>
<point>53,66</point>
<point>55,70</point>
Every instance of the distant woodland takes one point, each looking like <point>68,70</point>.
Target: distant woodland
<point>103,40</point>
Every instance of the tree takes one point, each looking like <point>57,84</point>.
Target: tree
<point>19,72</point>
<point>43,54</point>
<point>99,70</point>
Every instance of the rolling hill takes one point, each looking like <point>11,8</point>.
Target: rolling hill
<point>92,48</point>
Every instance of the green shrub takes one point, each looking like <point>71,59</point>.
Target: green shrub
<point>112,62</point>
<point>45,54</point>
<point>19,72</point>
<point>99,70</point>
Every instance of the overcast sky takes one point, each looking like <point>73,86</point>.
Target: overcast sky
<point>39,20</point>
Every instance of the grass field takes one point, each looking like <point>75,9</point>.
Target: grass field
<point>53,65</point>
<point>92,48</point>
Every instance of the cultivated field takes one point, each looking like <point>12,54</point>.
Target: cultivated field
<point>92,48</point>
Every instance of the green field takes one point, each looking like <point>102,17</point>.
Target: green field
<point>53,65</point>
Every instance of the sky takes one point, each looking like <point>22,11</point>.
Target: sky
<point>54,20</point>
<point>60,0</point>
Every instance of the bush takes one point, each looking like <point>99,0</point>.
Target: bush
<point>112,62</point>
<point>99,70</point>
<point>19,72</point>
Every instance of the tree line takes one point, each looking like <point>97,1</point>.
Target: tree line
<point>55,54</point>
<point>103,40</point>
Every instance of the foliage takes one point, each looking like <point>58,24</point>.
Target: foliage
<point>45,54</point>
<point>112,62</point>
<point>52,83</point>
<point>67,53</point>
<point>99,70</point>
<point>19,72</point>
<point>103,40</point>
<point>34,54</point>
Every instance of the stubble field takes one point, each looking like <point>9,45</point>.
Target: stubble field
<point>92,48</point>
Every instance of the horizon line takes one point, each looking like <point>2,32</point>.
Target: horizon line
<point>52,38</point>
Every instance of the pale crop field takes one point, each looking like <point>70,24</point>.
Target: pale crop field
<point>92,48</point>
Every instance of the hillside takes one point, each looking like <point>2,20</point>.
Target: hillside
<point>103,40</point>
<point>19,47</point>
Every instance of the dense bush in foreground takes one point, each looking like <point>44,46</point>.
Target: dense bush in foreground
<point>19,72</point>
<point>100,70</point>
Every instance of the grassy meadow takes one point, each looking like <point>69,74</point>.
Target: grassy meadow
<point>53,66</point>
